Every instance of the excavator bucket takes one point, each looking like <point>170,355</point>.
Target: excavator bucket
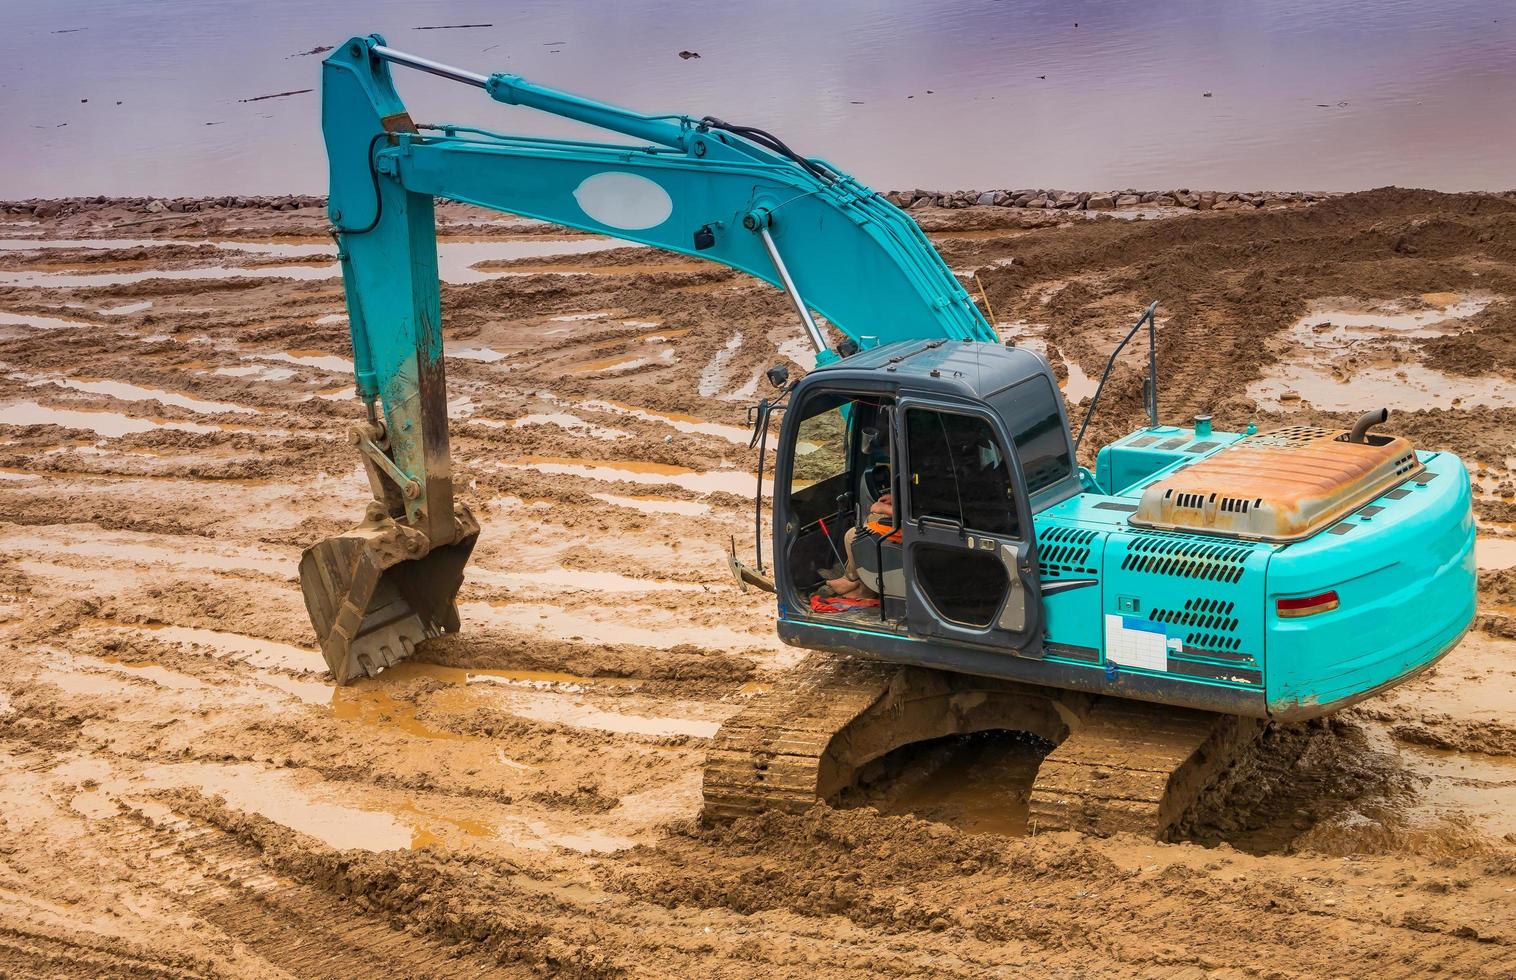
<point>376,591</point>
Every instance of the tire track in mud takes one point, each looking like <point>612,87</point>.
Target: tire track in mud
<point>27,953</point>
<point>298,929</point>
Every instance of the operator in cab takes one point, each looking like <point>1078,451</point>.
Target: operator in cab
<point>876,519</point>
<point>881,523</point>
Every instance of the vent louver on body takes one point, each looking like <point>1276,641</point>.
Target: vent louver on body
<point>1065,551</point>
<point>1161,554</point>
<point>1213,622</point>
<point>1291,436</point>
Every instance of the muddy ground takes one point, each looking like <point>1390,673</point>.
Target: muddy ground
<point>184,793</point>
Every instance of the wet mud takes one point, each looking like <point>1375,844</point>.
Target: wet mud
<point>184,792</point>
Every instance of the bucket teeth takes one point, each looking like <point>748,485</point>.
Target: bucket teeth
<point>376,591</point>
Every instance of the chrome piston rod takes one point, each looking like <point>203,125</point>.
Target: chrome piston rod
<point>429,66</point>
<point>812,331</point>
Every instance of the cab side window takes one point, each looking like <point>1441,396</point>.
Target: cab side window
<point>1042,443</point>
<point>959,473</point>
<point>821,443</point>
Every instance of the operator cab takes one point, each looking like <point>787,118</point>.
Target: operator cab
<point>966,441</point>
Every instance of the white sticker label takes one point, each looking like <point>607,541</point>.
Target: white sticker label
<point>623,200</point>
<point>1134,642</point>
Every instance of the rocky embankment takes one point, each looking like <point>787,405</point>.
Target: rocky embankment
<point>45,208</point>
<point>1040,198</point>
<point>1045,198</point>
<point>1049,198</point>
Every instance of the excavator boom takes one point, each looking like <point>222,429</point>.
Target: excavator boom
<point>701,187</point>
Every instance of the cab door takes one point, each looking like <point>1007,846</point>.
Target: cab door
<point>970,548</point>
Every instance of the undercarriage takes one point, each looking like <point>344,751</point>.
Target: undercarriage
<point>1117,765</point>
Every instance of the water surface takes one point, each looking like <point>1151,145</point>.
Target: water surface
<point>149,96</point>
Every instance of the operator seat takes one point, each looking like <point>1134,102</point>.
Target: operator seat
<point>881,565</point>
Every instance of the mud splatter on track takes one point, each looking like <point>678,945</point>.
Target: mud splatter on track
<point>184,793</point>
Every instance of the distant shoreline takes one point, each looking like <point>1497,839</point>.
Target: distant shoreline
<point>1030,199</point>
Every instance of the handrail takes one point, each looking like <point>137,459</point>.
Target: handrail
<point>1150,395</point>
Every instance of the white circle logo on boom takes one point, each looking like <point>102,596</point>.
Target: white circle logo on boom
<point>623,200</point>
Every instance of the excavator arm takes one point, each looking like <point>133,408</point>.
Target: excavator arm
<point>701,187</point>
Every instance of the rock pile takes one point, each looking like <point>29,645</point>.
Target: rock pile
<point>1104,200</point>
<point>59,207</point>
<point>1038,198</point>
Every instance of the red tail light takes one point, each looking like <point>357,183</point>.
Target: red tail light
<point>1307,605</point>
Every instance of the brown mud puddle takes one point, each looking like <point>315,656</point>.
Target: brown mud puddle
<point>565,420</point>
<point>144,549</point>
<point>661,630</point>
<point>624,362</point>
<point>1462,787</point>
<point>532,695</point>
<point>102,422</point>
<point>1492,554</point>
<point>311,358</point>
<point>251,650</point>
<point>569,580</point>
<point>124,391</point>
<point>676,420</point>
<point>657,505</point>
<point>46,322</point>
<point>1342,358</point>
<point>636,471</point>
<point>508,268</point>
<point>290,799</point>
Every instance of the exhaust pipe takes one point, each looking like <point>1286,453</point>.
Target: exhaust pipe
<point>1365,422</point>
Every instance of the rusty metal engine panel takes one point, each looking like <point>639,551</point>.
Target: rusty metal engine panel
<point>1282,485</point>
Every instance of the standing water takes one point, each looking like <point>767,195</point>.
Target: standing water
<point>177,97</point>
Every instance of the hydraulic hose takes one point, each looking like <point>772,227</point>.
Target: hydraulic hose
<point>772,143</point>
<point>373,173</point>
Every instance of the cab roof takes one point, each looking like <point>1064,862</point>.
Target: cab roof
<point>968,368</point>
<point>983,373</point>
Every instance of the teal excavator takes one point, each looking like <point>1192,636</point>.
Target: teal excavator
<point>1146,619</point>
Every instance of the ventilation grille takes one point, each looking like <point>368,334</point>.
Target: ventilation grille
<point>1212,614</point>
<point>1185,558</point>
<point>1190,500</point>
<point>1289,437</point>
<point>1405,464</point>
<point>1212,619</point>
<point>1065,551</point>
<point>1193,501</point>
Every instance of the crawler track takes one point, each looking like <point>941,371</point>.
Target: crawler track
<point>1134,766</point>
<point>771,756</point>
<point>1118,766</point>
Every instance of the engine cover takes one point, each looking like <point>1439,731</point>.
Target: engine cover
<point>1282,485</point>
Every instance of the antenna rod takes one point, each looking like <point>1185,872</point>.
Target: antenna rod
<point>1147,317</point>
